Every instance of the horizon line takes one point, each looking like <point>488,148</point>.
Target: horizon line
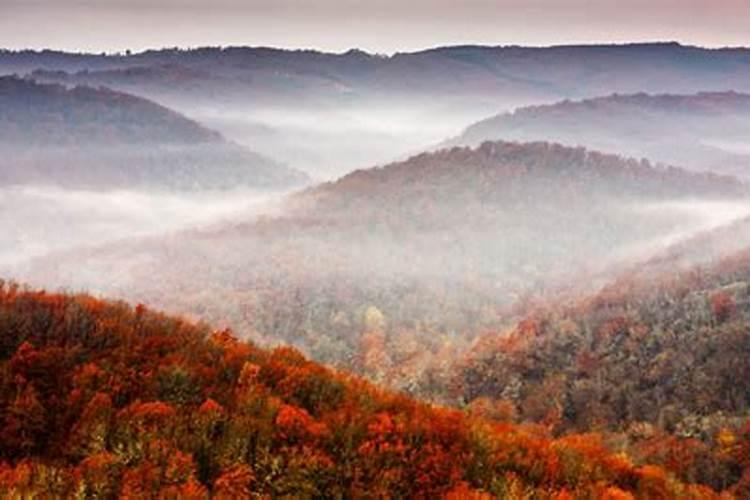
<point>355,50</point>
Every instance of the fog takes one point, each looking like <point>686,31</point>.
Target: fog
<point>696,216</point>
<point>328,142</point>
<point>443,245</point>
<point>705,132</point>
<point>739,148</point>
<point>146,204</point>
<point>39,220</point>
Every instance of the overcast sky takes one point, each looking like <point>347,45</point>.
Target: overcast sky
<point>376,25</point>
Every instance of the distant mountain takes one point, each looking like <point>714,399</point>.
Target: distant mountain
<point>331,113</point>
<point>86,137</point>
<point>390,271</point>
<point>49,114</point>
<point>705,131</point>
<point>102,399</point>
<point>561,71</point>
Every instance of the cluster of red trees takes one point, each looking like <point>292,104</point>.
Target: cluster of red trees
<point>99,399</point>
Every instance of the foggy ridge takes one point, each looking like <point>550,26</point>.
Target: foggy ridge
<point>327,114</point>
<point>98,138</point>
<point>440,245</point>
<point>704,132</point>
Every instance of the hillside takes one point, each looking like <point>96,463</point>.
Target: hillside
<point>330,113</point>
<point>99,399</point>
<point>31,110</point>
<point>660,355</point>
<point>705,132</point>
<point>86,137</point>
<point>393,271</point>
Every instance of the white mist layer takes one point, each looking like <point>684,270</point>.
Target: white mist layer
<point>739,148</point>
<point>698,216</point>
<point>328,143</point>
<point>35,221</point>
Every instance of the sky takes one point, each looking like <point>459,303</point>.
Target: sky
<point>383,26</point>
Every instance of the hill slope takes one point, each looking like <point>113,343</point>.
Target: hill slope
<point>391,271</point>
<point>87,137</point>
<point>706,131</point>
<point>662,350</point>
<point>100,399</point>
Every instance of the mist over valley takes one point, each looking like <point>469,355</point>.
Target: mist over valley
<point>465,272</point>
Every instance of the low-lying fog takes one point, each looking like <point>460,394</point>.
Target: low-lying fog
<point>698,216</point>
<point>37,220</point>
<point>328,143</point>
<point>734,147</point>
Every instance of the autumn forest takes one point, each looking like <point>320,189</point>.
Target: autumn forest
<point>465,272</point>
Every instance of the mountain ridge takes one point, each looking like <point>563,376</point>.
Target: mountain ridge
<point>703,131</point>
<point>329,113</point>
<point>98,137</point>
<point>440,246</point>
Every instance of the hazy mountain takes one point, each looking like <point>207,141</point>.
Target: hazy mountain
<point>330,113</point>
<point>544,290</point>
<point>705,131</point>
<point>569,71</point>
<point>99,138</point>
<point>391,269</point>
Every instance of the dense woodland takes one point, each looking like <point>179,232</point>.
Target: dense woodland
<point>707,131</point>
<point>658,356</point>
<point>554,319</point>
<point>393,271</point>
<point>99,399</point>
<point>98,138</point>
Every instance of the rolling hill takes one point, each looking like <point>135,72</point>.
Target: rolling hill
<point>100,399</point>
<point>482,71</point>
<point>99,138</point>
<point>392,271</point>
<point>705,132</point>
<point>577,319</point>
<point>660,355</point>
<point>330,113</point>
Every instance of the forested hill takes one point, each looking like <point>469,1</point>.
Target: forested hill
<point>99,399</point>
<point>98,138</point>
<point>705,131</point>
<point>391,271</point>
<point>51,114</point>
<point>508,173</point>
<point>659,355</point>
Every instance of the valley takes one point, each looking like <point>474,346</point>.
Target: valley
<point>466,272</point>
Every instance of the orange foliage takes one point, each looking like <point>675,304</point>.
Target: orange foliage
<point>266,423</point>
<point>235,482</point>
